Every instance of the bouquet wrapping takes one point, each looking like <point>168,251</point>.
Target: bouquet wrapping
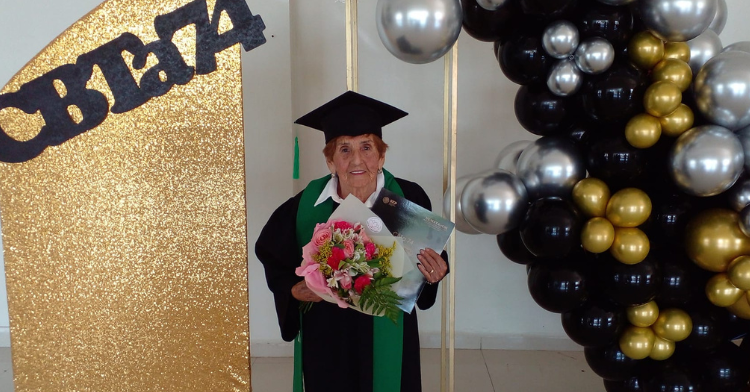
<point>353,261</point>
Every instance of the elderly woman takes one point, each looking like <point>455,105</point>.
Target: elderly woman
<point>342,349</point>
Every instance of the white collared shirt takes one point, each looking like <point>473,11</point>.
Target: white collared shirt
<point>331,190</point>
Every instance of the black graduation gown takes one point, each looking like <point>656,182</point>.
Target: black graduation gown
<point>336,343</point>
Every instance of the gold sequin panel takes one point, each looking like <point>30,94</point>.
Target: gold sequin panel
<point>125,247</point>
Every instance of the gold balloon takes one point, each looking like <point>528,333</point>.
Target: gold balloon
<point>591,195</point>
<point>679,121</point>
<point>713,239</point>
<point>673,324</point>
<point>645,50</point>
<point>739,272</point>
<point>741,308</point>
<point>662,98</point>
<point>721,292</point>
<point>643,130</point>
<point>643,315</point>
<point>663,349</point>
<point>597,235</point>
<point>677,50</point>
<point>631,245</point>
<point>629,207</point>
<point>637,342</point>
<point>675,71</point>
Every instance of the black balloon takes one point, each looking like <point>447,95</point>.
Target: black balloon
<point>558,288</point>
<point>513,248</point>
<point>630,385</point>
<point>628,285</point>
<point>523,59</point>
<point>737,327</point>
<point>745,346</point>
<point>616,162</point>
<point>675,379</point>
<point>594,324</point>
<point>541,112</point>
<point>670,215</point>
<point>580,135</point>
<point>547,9</point>
<point>551,228</point>
<point>615,95</point>
<point>726,370</point>
<point>709,329</point>
<point>610,363</point>
<point>595,19</point>
<point>486,25</point>
<point>682,280</point>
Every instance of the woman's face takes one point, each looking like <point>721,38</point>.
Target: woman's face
<point>356,161</point>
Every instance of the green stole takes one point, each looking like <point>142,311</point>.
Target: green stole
<point>388,339</point>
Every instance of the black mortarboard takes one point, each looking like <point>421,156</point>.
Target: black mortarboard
<point>351,114</point>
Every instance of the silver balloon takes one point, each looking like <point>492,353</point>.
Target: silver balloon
<point>491,5</point>
<point>722,90</point>
<point>419,31</point>
<point>494,203</point>
<point>703,48</point>
<point>595,55</point>
<point>560,39</point>
<point>616,2</point>
<point>745,221</point>
<point>720,19</point>
<point>706,160</point>
<point>677,20</point>
<point>742,46</point>
<point>551,166</point>
<point>461,224</point>
<point>739,195</point>
<point>564,78</point>
<point>507,158</point>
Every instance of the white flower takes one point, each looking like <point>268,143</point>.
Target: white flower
<point>344,278</point>
<point>359,255</point>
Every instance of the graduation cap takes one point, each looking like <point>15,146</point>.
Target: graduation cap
<point>351,114</point>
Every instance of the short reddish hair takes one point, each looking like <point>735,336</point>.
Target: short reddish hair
<point>330,147</point>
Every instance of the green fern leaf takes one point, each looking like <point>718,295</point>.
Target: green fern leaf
<point>378,298</point>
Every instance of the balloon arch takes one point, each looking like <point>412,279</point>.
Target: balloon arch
<point>632,211</point>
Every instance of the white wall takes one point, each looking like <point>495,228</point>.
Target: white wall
<point>269,147</point>
<point>303,65</point>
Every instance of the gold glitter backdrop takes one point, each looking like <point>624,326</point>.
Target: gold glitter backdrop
<point>125,246</point>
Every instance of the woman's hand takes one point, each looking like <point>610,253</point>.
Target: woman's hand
<point>432,266</point>
<point>304,294</point>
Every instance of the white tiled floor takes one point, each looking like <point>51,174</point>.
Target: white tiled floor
<point>476,371</point>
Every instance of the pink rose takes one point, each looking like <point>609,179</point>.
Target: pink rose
<point>342,225</point>
<point>348,248</point>
<point>361,282</point>
<point>321,236</point>
<point>337,254</point>
<point>369,250</point>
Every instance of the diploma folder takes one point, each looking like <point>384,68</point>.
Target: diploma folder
<point>418,227</point>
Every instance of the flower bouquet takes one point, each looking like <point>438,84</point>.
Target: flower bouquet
<point>352,265</point>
